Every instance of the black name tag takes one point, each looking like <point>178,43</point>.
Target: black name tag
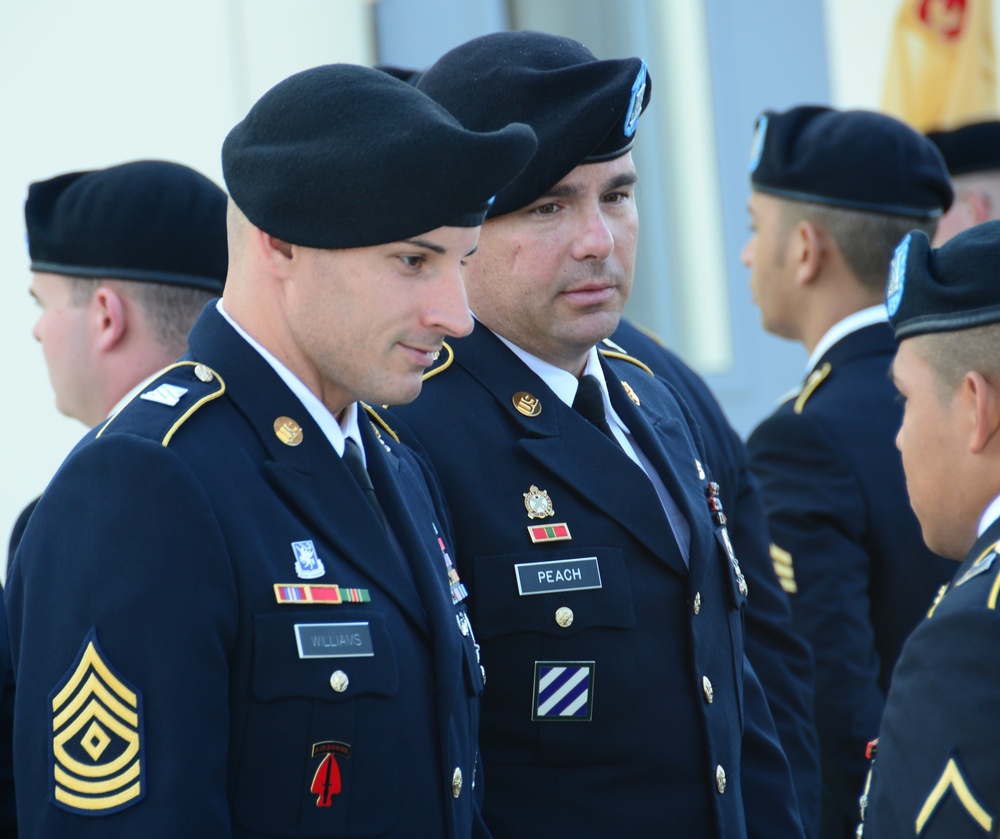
<point>333,640</point>
<point>557,575</point>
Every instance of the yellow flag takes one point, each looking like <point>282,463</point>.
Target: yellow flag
<point>942,67</point>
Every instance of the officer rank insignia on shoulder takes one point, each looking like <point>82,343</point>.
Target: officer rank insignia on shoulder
<point>96,757</point>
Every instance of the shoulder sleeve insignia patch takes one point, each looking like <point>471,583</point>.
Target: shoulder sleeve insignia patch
<point>953,780</point>
<point>816,378</point>
<point>782,561</point>
<point>96,756</point>
<point>625,357</point>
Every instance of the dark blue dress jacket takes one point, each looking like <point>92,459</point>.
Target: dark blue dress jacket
<point>936,774</point>
<point>183,665</point>
<point>841,520</point>
<point>618,700</point>
<point>781,659</point>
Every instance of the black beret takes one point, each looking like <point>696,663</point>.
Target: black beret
<point>582,109</point>
<point>344,156</point>
<point>149,220</point>
<point>945,289</point>
<point>972,148</point>
<point>860,160</point>
<point>404,74</point>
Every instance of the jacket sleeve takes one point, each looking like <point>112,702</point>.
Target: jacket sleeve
<point>816,513</point>
<point>123,612</point>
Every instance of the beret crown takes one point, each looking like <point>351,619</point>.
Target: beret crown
<point>148,220</point>
<point>948,288</point>
<point>581,108</point>
<point>859,160</point>
<point>344,156</point>
<point>971,148</point>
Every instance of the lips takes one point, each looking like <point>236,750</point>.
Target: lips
<point>590,295</point>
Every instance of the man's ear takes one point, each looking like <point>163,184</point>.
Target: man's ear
<point>275,253</point>
<point>808,249</point>
<point>109,317</point>
<point>983,401</point>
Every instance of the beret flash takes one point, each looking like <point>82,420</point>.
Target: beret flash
<point>972,148</point>
<point>344,156</point>
<point>583,110</point>
<point>860,160</point>
<point>149,220</point>
<point>945,289</point>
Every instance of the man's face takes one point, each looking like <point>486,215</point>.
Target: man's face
<point>930,441</point>
<point>553,277</point>
<point>765,254</point>
<point>63,330</point>
<point>364,323</point>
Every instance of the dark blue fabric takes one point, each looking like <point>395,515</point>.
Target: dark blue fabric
<point>171,554</point>
<point>943,705</point>
<point>781,659</point>
<point>836,501</point>
<point>646,764</point>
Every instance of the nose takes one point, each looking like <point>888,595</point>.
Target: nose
<point>746,255</point>
<point>899,438</point>
<point>35,333</point>
<point>595,239</point>
<point>448,310</point>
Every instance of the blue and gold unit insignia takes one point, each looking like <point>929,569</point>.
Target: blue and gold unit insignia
<point>96,758</point>
<point>564,691</point>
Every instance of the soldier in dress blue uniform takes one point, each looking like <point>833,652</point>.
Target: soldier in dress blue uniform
<point>123,260</point>
<point>972,154</point>
<point>608,599</point>
<point>833,193</point>
<point>235,610</point>
<point>781,659</point>
<point>936,773</point>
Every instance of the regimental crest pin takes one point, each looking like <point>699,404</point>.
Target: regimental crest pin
<point>308,565</point>
<point>537,503</point>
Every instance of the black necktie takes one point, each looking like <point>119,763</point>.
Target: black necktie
<point>355,462</point>
<point>589,403</point>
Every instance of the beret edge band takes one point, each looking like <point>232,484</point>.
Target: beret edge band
<point>813,198</point>
<point>137,275</point>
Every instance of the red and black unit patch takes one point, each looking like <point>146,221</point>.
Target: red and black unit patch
<point>326,782</point>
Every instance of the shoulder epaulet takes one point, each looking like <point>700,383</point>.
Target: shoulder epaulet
<point>615,351</point>
<point>816,378</point>
<point>650,334</point>
<point>184,387</point>
<point>985,562</point>
<point>377,422</point>
<point>442,363</point>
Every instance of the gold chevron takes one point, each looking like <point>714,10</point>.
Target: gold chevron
<point>952,778</point>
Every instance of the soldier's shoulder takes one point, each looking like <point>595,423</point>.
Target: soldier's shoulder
<point>166,403</point>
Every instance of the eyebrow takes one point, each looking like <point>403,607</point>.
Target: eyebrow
<point>425,243</point>
<point>569,190</point>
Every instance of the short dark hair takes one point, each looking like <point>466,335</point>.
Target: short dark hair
<point>953,354</point>
<point>865,240</point>
<point>170,309</point>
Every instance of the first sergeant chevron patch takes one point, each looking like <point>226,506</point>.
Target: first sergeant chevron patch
<point>96,759</point>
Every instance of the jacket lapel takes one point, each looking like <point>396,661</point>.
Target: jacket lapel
<point>568,446</point>
<point>309,475</point>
